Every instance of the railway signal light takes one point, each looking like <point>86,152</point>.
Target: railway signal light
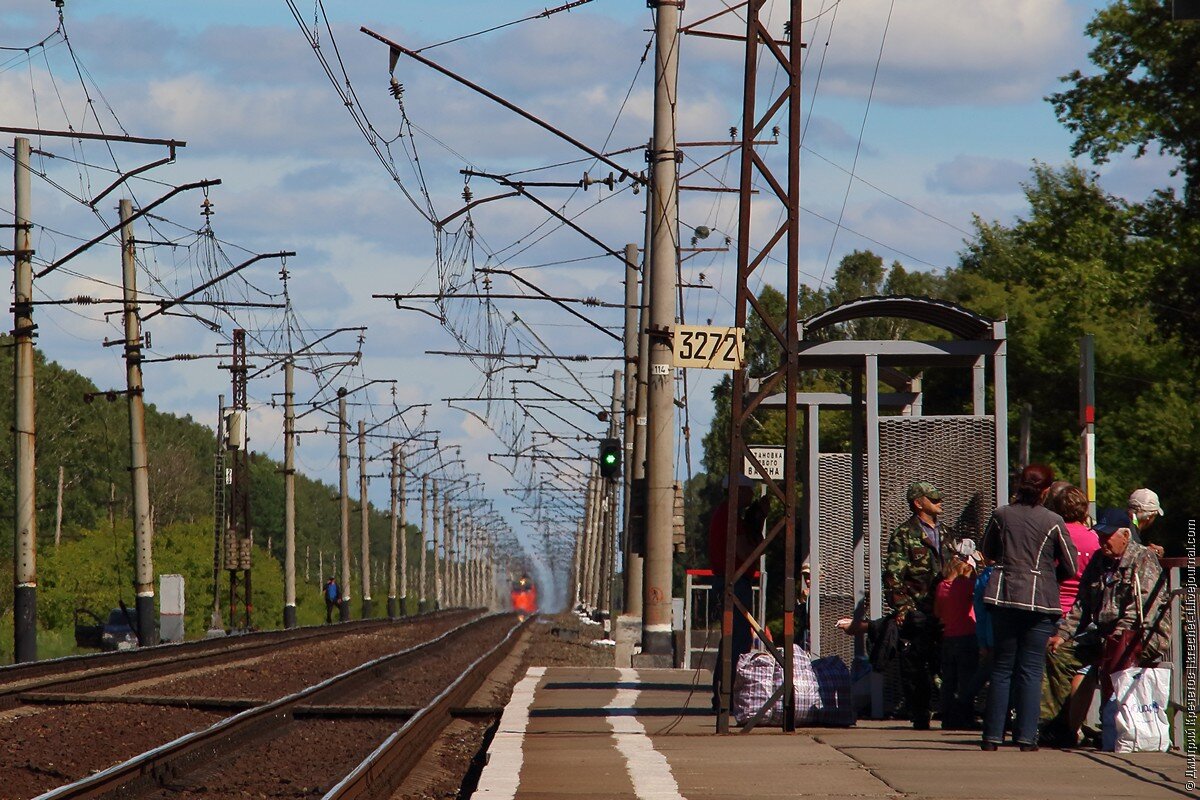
<point>610,458</point>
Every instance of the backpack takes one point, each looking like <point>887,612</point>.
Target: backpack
<point>883,642</point>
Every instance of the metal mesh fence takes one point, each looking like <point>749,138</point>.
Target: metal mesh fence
<point>955,454</point>
<point>836,543</point>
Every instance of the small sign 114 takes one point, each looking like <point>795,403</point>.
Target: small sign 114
<point>708,347</point>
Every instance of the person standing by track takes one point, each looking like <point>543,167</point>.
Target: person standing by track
<point>1033,552</point>
<point>917,552</point>
<point>332,593</point>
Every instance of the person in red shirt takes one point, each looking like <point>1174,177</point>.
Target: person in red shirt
<point>750,517</point>
<point>953,606</point>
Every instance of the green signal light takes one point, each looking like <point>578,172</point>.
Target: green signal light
<point>610,457</point>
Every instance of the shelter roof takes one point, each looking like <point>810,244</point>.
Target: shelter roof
<point>960,321</point>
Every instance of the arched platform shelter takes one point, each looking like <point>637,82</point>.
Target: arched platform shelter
<point>854,500</point>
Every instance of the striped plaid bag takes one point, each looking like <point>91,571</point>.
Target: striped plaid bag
<point>755,679</point>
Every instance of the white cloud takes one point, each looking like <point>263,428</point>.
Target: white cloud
<point>973,175</point>
<point>973,52</point>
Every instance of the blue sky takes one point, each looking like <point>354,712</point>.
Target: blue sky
<point>956,117</point>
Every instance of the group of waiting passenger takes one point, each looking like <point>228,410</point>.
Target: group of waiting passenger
<point>1044,611</point>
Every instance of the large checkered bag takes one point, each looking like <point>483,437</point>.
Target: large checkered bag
<point>804,681</point>
<point>835,687</point>
<point>755,679</point>
<point>758,676</point>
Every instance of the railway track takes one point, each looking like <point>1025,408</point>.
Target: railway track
<point>60,673</point>
<point>381,715</point>
<point>59,728</point>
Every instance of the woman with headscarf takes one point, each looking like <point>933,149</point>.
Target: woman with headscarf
<point>1033,552</point>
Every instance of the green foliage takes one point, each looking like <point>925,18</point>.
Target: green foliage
<point>1081,263</point>
<point>1143,95</point>
<point>92,568</point>
<point>1145,91</point>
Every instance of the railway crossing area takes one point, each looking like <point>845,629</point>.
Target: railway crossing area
<point>589,733</point>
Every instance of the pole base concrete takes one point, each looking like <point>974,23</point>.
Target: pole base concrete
<point>368,607</point>
<point>628,635</point>
<point>393,608</point>
<point>653,661</point>
<point>147,633</point>
<point>289,616</point>
<point>344,611</point>
<point>25,623</point>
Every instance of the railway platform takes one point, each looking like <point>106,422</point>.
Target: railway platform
<point>584,733</point>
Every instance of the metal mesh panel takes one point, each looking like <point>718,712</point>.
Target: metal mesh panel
<point>836,542</point>
<point>956,454</point>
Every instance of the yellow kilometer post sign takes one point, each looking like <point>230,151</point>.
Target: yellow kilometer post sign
<point>708,347</point>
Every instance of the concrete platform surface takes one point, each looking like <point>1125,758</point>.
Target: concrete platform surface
<point>590,733</point>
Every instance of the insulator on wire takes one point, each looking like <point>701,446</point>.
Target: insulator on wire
<point>396,89</point>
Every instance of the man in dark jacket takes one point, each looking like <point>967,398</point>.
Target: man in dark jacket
<point>917,550</point>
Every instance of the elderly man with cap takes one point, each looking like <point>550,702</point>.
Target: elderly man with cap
<point>1122,599</point>
<point>916,554</point>
<point>1144,511</point>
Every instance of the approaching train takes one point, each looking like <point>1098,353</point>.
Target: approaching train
<point>524,596</point>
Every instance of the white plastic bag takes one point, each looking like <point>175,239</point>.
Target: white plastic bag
<point>1139,711</point>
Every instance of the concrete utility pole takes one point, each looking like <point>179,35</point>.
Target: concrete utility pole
<point>577,563</point>
<point>610,533</point>
<point>24,432</point>
<point>423,598</point>
<point>344,505</point>
<point>289,496</point>
<point>364,519</point>
<point>631,563</point>
<point>453,570</point>
<point>637,503</point>
<point>438,598</point>
<point>660,466</point>
<point>589,538</point>
<point>595,521</point>
<point>58,509</point>
<point>139,469</point>
<point>393,605</point>
<point>449,533</point>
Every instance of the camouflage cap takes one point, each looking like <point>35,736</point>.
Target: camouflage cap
<point>923,489</point>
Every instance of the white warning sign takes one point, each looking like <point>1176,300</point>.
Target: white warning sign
<point>770,457</point>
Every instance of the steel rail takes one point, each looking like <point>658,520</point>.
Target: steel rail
<point>147,772</point>
<point>381,773</point>
<point>39,676</point>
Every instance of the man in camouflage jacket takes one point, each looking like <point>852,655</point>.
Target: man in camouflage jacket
<point>1121,589</point>
<point>917,550</point>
